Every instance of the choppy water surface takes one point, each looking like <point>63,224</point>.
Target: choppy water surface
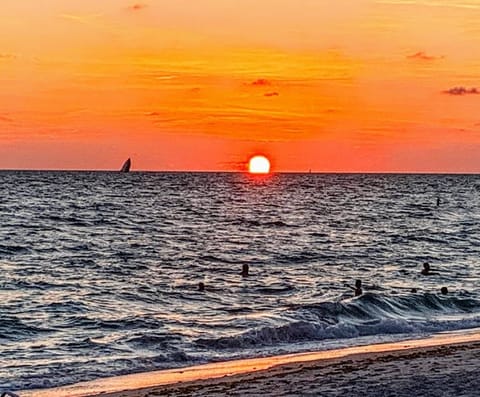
<point>99,271</point>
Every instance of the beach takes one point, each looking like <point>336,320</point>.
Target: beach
<point>440,371</point>
<point>443,365</point>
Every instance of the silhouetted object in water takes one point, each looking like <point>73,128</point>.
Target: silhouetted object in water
<point>426,269</point>
<point>126,166</point>
<point>201,286</point>
<point>414,291</point>
<point>358,287</point>
<point>444,290</point>
<point>244,272</point>
<point>438,201</point>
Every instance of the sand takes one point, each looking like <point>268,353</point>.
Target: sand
<point>444,365</point>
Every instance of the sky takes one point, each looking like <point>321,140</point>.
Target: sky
<point>202,85</point>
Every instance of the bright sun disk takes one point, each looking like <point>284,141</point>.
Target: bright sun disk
<point>259,165</point>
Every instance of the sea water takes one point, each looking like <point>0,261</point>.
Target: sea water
<point>100,271</point>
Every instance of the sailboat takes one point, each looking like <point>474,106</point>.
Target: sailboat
<point>126,166</point>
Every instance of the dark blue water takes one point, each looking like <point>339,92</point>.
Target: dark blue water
<point>99,271</point>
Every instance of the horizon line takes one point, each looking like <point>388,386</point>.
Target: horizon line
<point>245,172</point>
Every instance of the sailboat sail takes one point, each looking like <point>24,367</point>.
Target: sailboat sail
<point>126,166</point>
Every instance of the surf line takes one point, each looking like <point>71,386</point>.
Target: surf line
<point>243,366</point>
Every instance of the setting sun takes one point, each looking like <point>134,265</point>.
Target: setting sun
<point>259,165</point>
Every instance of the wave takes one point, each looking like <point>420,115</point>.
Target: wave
<point>261,223</point>
<point>13,328</point>
<point>13,249</point>
<point>369,315</point>
<point>126,323</point>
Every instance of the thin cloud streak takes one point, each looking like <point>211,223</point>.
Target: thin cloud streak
<point>438,4</point>
<point>5,119</point>
<point>7,56</point>
<point>261,83</point>
<point>138,7</point>
<point>459,91</point>
<point>84,19</point>
<point>423,56</point>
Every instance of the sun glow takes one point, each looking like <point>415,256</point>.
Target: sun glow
<point>259,165</point>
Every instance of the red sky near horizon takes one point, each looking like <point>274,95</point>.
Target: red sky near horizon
<point>331,86</point>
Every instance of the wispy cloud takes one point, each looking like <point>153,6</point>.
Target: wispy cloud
<point>7,56</point>
<point>84,19</point>
<point>5,119</point>
<point>261,83</point>
<point>465,4</point>
<point>462,91</point>
<point>423,56</point>
<point>138,7</point>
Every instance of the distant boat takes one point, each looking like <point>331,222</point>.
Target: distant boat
<point>126,166</point>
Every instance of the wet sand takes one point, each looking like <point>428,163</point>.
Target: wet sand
<point>443,365</point>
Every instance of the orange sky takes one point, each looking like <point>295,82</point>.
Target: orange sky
<point>345,85</point>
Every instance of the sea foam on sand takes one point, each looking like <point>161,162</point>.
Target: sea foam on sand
<point>444,364</point>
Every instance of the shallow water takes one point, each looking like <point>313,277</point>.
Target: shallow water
<point>100,270</point>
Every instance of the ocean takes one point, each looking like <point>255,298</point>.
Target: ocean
<point>100,270</point>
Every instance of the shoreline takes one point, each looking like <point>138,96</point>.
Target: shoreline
<point>226,374</point>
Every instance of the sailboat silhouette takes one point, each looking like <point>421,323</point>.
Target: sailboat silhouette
<point>126,166</point>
